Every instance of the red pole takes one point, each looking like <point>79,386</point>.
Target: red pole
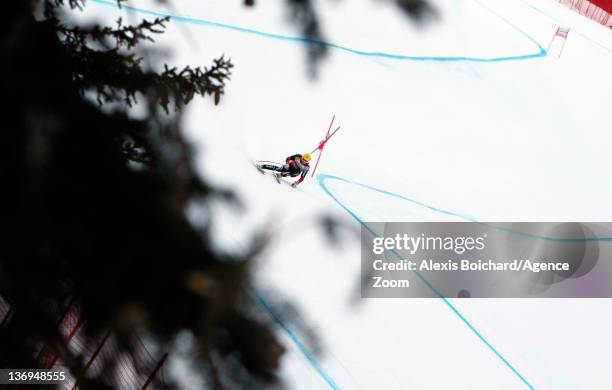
<point>155,370</point>
<point>320,148</point>
<point>326,134</point>
<point>331,123</point>
<point>317,164</point>
<point>59,322</point>
<point>70,336</point>
<point>93,357</point>
<point>552,39</point>
<point>561,51</point>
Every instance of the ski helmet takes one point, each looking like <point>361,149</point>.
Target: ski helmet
<point>307,156</point>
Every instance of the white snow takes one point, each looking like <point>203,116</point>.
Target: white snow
<point>516,140</point>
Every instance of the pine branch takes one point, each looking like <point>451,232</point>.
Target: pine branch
<point>123,36</point>
<point>117,76</point>
<point>50,7</point>
<point>188,82</point>
<point>78,4</point>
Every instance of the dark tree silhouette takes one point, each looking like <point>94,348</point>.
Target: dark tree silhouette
<point>93,202</point>
<point>304,15</point>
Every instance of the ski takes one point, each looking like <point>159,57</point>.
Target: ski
<point>259,168</point>
<point>265,168</point>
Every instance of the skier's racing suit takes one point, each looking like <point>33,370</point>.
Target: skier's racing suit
<point>294,166</point>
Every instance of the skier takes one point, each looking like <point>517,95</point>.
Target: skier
<point>296,165</point>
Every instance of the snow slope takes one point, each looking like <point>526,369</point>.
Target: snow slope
<point>467,115</point>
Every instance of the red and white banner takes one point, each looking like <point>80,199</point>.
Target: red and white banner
<point>598,10</point>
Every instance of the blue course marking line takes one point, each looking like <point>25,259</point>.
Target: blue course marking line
<point>262,301</point>
<point>541,51</point>
<point>322,178</point>
<point>313,361</point>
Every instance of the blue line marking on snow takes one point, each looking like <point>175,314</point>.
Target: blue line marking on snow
<point>540,53</point>
<point>313,361</point>
<point>323,177</point>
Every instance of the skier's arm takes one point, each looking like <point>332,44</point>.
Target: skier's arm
<point>301,179</point>
<point>291,158</point>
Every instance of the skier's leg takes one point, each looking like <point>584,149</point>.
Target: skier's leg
<point>270,167</point>
<point>283,169</point>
